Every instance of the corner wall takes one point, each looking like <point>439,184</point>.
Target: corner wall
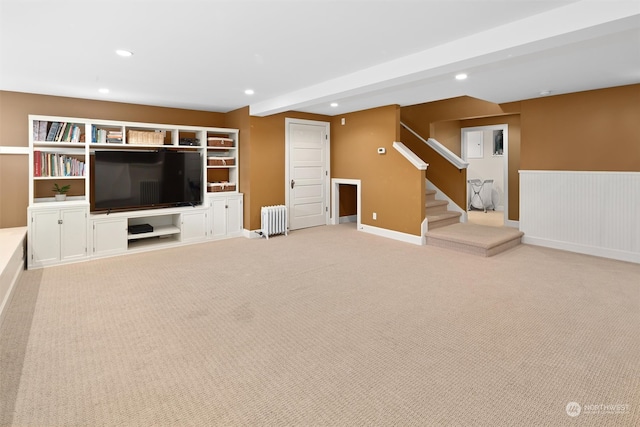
<point>391,186</point>
<point>262,159</point>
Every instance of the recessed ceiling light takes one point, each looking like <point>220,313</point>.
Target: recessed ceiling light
<point>103,90</point>
<point>249,92</point>
<point>334,104</point>
<point>545,92</point>
<point>124,53</point>
<point>461,76</point>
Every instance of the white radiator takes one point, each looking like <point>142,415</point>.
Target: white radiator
<point>274,220</point>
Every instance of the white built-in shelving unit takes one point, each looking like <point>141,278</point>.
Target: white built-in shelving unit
<point>60,150</point>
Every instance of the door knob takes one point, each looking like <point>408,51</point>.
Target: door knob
<point>293,183</point>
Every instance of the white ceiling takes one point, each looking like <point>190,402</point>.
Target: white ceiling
<point>304,54</point>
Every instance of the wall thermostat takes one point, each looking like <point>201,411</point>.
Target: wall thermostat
<point>382,150</point>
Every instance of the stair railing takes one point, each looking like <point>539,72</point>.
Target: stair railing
<point>440,149</point>
<point>411,156</point>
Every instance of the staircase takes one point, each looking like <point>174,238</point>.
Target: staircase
<point>446,231</point>
<point>437,213</point>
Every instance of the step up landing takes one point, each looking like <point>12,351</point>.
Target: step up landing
<point>475,239</point>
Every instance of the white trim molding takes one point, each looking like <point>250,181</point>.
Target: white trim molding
<point>411,156</point>
<point>14,150</point>
<point>395,235</point>
<point>335,199</point>
<point>440,149</point>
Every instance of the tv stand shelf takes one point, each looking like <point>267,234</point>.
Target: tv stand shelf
<point>62,150</point>
<point>157,231</point>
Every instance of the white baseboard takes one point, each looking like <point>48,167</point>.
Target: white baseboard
<point>9,296</point>
<point>12,261</point>
<point>512,223</point>
<point>395,235</point>
<point>350,218</point>
<point>583,249</point>
<point>251,234</point>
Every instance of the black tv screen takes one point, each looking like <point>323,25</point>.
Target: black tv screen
<point>144,179</point>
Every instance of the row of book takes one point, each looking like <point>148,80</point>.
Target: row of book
<point>57,131</point>
<point>55,164</point>
<point>106,135</point>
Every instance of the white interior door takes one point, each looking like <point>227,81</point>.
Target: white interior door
<point>307,173</point>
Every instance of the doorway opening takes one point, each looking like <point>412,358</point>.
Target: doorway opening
<point>346,203</point>
<point>485,148</point>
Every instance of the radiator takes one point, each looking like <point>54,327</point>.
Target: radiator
<point>274,220</point>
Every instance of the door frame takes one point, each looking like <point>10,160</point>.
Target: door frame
<point>327,163</point>
<point>505,159</point>
<point>335,200</point>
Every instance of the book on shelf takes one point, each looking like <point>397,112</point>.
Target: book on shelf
<point>114,137</point>
<point>60,132</point>
<point>103,136</point>
<point>37,163</point>
<point>57,131</point>
<point>53,130</point>
<point>55,164</point>
<point>40,130</point>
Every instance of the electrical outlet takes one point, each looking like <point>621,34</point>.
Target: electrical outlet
<point>375,215</point>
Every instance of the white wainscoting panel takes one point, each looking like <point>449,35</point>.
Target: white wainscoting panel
<point>595,213</point>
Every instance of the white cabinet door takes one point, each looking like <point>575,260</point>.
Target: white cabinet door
<point>73,234</point>
<point>219,220</point>
<point>109,236</point>
<point>194,226</point>
<point>44,245</point>
<point>57,234</point>
<point>226,215</point>
<point>234,215</point>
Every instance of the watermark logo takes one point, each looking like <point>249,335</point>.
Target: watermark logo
<point>573,409</point>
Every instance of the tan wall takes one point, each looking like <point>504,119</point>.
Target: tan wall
<point>348,200</point>
<point>391,187</point>
<point>447,177</point>
<point>596,130</point>
<point>15,108</point>
<point>421,117</point>
<point>264,166</point>
<point>447,133</point>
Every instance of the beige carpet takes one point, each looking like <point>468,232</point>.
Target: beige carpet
<point>328,326</point>
<point>475,239</point>
<point>490,218</point>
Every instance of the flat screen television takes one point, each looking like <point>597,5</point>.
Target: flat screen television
<point>128,180</point>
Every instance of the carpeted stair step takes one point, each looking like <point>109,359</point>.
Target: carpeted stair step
<point>435,207</point>
<point>475,239</point>
<point>443,219</point>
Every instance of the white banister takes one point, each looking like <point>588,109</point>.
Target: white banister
<point>440,149</point>
<point>411,156</point>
